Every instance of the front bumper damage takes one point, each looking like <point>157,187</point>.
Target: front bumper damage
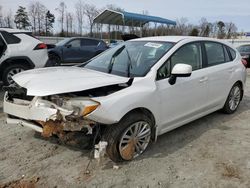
<point>45,117</point>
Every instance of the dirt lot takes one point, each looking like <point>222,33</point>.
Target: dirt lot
<point>213,151</point>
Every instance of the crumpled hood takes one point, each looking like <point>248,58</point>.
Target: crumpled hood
<point>56,80</point>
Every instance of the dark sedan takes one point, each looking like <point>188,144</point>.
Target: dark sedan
<point>245,53</point>
<point>75,50</point>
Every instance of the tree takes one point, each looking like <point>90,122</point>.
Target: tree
<point>194,32</point>
<point>49,20</point>
<point>33,15</point>
<point>8,20</point>
<point>41,16</point>
<point>221,30</point>
<point>231,30</point>
<point>69,23</point>
<point>205,27</point>
<point>80,15</point>
<point>61,10</point>
<point>1,17</point>
<point>91,12</point>
<point>21,18</point>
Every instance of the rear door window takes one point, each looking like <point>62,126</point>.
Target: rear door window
<point>215,53</point>
<point>89,42</point>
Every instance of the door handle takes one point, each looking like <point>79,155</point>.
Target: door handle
<point>203,79</point>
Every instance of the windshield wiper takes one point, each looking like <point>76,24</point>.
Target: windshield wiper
<point>111,63</point>
<point>129,62</point>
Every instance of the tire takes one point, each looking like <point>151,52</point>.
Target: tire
<point>10,71</point>
<point>233,99</point>
<point>115,136</point>
<point>54,60</point>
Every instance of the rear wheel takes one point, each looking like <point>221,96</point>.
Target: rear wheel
<point>54,60</point>
<point>129,138</point>
<point>10,71</point>
<point>233,99</point>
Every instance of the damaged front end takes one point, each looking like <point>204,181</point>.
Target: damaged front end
<point>50,115</point>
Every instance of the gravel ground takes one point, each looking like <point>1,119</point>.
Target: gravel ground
<point>210,152</point>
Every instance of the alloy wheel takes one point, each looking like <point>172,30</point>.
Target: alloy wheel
<point>234,98</point>
<point>135,140</point>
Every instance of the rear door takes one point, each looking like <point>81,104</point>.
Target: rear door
<point>219,68</point>
<point>89,48</point>
<point>187,98</point>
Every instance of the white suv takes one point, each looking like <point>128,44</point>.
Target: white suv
<point>131,93</point>
<point>19,51</point>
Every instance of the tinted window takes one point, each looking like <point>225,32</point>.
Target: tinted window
<point>189,54</point>
<point>10,38</point>
<point>233,53</point>
<point>75,43</point>
<point>89,42</point>
<point>227,57</point>
<point>215,53</point>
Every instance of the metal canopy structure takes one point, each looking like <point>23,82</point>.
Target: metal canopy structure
<point>123,18</point>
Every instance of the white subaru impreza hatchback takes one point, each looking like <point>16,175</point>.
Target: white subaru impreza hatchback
<point>130,94</point>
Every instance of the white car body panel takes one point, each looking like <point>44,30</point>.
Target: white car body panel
<point>205,91</point>
<point>25,49</point>
<point>56,80</point>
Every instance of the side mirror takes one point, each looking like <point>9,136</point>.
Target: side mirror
<point>68,45</point>
<point>180,70</point>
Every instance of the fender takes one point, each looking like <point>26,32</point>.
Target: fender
<point>11,59</point>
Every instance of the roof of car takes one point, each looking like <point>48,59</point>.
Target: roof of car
<point>174,39</point>
<point>85,38</point>
<point>10,30</point>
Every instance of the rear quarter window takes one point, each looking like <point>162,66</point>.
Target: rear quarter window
<point>232,53</point>
<point>10,38</point>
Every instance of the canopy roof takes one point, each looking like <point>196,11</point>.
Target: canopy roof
<point>128,19</point>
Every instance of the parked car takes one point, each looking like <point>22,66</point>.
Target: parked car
<point>245,53</point>
<point>76,50</point>
<point>131,93</point>
<point>19,51</point>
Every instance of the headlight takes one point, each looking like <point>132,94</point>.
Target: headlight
<point>88,108</point>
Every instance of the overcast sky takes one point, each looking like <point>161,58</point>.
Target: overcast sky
<point>225,10</point>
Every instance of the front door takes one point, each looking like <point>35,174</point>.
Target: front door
<point>187,98</point>
<point>72,51</point>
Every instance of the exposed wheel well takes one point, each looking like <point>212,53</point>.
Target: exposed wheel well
<point>25,62</point>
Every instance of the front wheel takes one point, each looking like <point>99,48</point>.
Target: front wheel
<point>129,138</point>
<point>233,99</point>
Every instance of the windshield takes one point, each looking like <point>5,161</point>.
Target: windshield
<point>63,42</point>
<point>130,59</point>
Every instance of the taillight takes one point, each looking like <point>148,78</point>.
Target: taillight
<point>244,62</point>
<point>40,46</point>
